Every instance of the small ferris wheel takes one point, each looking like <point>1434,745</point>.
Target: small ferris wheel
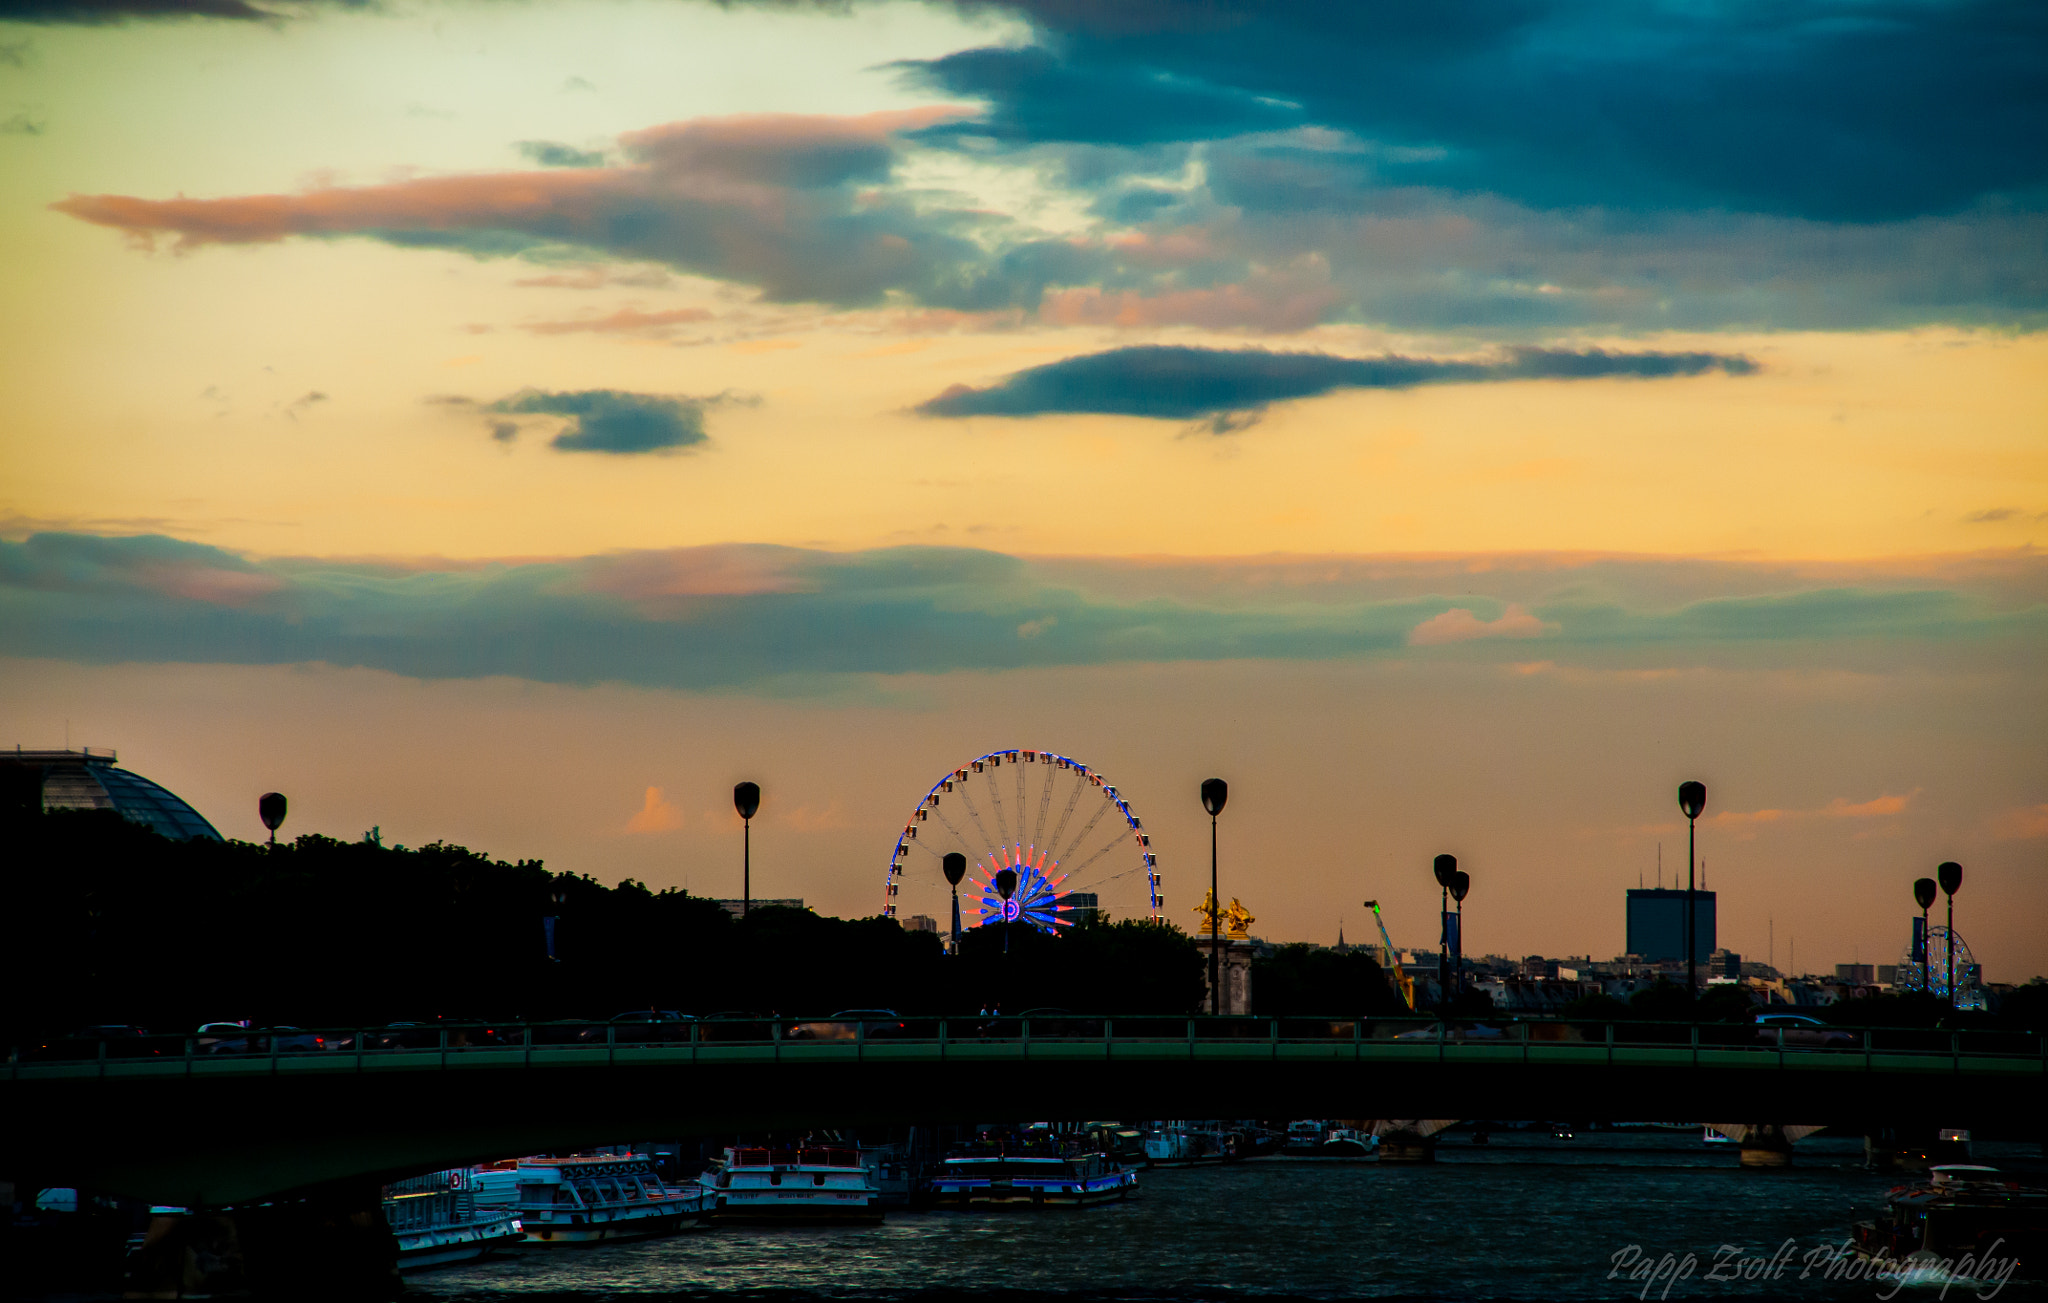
<point>1947,953</point>
<point>1071,838</point>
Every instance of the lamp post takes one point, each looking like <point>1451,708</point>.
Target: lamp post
<point>955,866</point>
<point>1445,867</point>
<point>1006,887</point>
<point>1692,798</point>
<point>547,922</point>
<point>1923,896</point>
<point>1950,875</point>
<point>746,798</point>
<point>1461,882</point>
<point>270,809</point>
<point>1214,793</point>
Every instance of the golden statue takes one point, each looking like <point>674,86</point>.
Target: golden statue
<point>1237,919</point>
<point>1240,920</point>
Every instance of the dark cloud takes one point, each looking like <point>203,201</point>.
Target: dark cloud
<point>1870,110</point>
<point>741,616</point>
<point>548,153</point>
<point>94,12</point>
<point>608,420</point>
<point>23,122</point>
<point>1179,383</point>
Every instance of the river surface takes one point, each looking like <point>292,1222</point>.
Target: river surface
<point>1526,1217</point>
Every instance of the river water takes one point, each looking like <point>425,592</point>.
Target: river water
<point>1526,1217</point>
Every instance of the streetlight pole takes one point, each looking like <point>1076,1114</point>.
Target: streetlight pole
<point>1461,882</point>
<point>1214,793</point>
<point>1950,875</point>
<point>1445,867</point>
<point>955,866</point>
<point>1923,896</point>
<point>746,798</point>
<point>1692,798</point>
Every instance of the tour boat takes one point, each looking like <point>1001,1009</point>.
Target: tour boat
<point>437,1222</point>
<point>1173,1143</point>
<point>807,1184</point>
<point>1304,1139</point>
<point>588,1199</point>
<point>980,1179</point>
<point>1965,1221</point>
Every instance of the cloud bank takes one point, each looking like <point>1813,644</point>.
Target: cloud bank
<point>740,617</point>
<point>607,420</point>
<point>1177,383</point>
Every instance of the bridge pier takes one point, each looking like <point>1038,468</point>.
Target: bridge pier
<point>1407,1147</point>
<point>334,1244</point>
<point>1766,1145</point>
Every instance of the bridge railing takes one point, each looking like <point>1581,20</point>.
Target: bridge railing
<point>1406,1036</point>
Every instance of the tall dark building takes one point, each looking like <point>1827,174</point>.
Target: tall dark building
<point>1656,923</point>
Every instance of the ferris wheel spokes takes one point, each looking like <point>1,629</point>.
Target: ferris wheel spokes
<point>1038,859</point>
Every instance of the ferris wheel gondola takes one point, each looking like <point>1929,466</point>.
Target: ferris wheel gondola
<point>1074,842</point>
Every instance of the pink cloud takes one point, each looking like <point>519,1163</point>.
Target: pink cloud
<point>663,584</point>
<point>1460,625</point>
<point>2024,823</point>
<point>626,321</point>
<point>768,200</point>
<point>657,814</point>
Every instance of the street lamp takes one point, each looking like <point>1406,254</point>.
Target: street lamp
<point>1445,867</point>
<point>270,808</point>
<point>1692,798</point>
<point>1923,895</point>
<point>1950,875</point>
<point>955,866</point>
<point>1006,887</point>
<point>1461,882</point>
<point>1214,793</point>
<point>746,798</point>
<point>547,922</point>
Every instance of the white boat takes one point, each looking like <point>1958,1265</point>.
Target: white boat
<point>436,1221</point>
<point>1169,1143</point>
<point>588,1199</point>
<point>1033,1180</point>
<point>809,1184</point>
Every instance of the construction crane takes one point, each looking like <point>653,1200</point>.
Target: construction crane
<point>1402,982</point>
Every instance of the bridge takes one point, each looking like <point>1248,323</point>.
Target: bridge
<point>183,1121</point>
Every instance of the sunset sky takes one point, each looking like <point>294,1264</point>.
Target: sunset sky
<point>514,421</point>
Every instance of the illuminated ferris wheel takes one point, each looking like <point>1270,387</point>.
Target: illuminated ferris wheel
<point>1073,841</point>
<point>1947,954</point>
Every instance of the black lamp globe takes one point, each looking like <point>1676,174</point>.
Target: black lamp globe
<point>955,867</point>
<point>1950,875</point>
<point>1692,799</point>
<point>1924,892</point>
<point>1461,882</point>
<point>1214,793</point>
<point>1444,866</point>
<point>746,798</point>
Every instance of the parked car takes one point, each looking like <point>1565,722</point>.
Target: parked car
<point>290,1040</point>
<point>1475,1032</point>
<point>847,1025</point>
<point>121,1041</point>
<point>647,1027</point>
<point>223,1038</point>
<point>1800,1030</point>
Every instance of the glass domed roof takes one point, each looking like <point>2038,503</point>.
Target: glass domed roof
<point>89,780</point>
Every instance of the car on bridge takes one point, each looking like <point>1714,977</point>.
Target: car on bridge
<point>847,1025</point>
<point>1803,1032</point>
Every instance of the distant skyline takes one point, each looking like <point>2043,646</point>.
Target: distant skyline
<point>515,423</point>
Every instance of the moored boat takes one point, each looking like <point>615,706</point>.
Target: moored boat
<point>437,1223</point>
<point>1039,1177</point>
<point>806,1184</point>
<point>588,1199</point>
